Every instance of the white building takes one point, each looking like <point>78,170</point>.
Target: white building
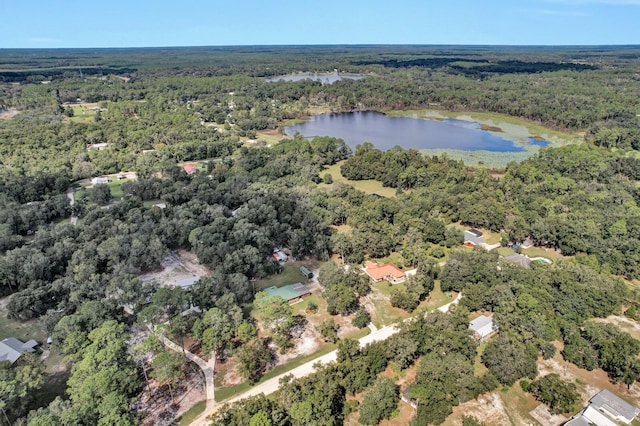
<point>483,327</point>
<point>99,181</point>
<point>605,409</point>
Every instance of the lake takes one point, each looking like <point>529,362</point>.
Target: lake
<point>385,132</point>
<point>324,78</point>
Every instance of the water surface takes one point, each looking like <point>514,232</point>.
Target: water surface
<point>385,132</point>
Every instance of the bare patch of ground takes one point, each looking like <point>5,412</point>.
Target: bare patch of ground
<point>160,409</point>
<point>588,382</point>
<point>306,344</point>
<point>179,269</point>
<point>231,375</point>
<point>8,114</point>
<point>488,408</point>
<point>545,418</point>
<point>626,324</point>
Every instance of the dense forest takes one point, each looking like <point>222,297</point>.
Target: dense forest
<point>75,267</point>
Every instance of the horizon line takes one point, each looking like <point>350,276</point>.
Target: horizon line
<point>453,45</point>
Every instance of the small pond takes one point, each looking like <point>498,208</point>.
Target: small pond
<point>324,78</point>
<point>385,132</point>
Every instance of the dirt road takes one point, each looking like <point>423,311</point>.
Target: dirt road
<point>273,384</point>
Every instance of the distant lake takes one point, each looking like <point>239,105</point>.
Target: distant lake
<point>385,132</point>
<point>324,78</point>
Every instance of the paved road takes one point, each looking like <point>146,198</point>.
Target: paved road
<point>273,384</point>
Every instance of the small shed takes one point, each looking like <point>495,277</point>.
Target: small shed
<point>307,273</point>
<point>280,256</point>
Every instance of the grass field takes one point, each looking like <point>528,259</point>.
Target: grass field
<point>369,186</point>
<point>189,416</point>
<point>290,275</point>
<point>23,330</point>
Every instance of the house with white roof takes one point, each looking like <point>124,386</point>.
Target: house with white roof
<point>483,327</point>
<point>605,409</point>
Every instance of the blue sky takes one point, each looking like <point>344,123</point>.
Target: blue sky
<point>131,23</point>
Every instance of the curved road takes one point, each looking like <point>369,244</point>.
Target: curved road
<point>273,384</point>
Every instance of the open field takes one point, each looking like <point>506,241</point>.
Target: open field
<point>23,330</point>
<point>369,186</point>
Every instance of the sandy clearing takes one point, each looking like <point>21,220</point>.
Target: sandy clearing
<point>180,268</point>
<point>8,114</point>
<point>487,408</point>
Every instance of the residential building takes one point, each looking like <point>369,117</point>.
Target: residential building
<point>483,327</point>
<point>380,272</point>
<point>605,409</point>
<point>11,349</point>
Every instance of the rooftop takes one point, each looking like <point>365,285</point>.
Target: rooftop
<point>190,168</point>
<point>288,292</point>
<point>480,322</point>
<point>378,271</point>
<point>520,259</point>
<point>11,349</point>
<point>614,405</point>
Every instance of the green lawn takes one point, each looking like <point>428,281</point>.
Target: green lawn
<point>189,416</point>
<point>541,252</point>
<point>368,186</point>
<point>82,115</point>
<point>518,404</point>
<point>435,299</point>
<point>23,330</point>
<point>115,186</point>
<point>505,251</point>
<point>290,275</point>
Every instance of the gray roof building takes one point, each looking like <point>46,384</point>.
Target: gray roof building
<point>473,237</point>
<point>520,259</point>
<point>11,349</point>
<point>605,409</point>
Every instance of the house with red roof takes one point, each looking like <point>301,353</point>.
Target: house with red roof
<point>380,272</point>
<point>190,169</point>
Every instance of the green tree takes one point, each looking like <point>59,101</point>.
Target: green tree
<point>104,367</point>
<point>18,384</point>
<point>558,395</point>
<point>509,360</point>
<point>361,318</point>
<point>379,401</point>
<point>101,194</point>
<point>167,368</point>
<point>329,330</point>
